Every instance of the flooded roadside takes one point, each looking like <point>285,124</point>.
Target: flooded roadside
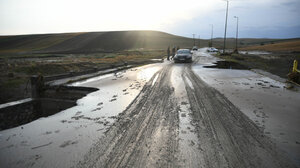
<point>60,140</point>
<point>226,65</point>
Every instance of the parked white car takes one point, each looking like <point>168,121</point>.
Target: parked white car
<point>212,49</point>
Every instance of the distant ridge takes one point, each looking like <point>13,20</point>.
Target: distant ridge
<point>90,42</point>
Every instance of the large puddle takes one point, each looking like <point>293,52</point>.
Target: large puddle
<point>255,52</point>
<point>227,65</point>
<point>54,100</point>
<point>61,139</point>
<point>26,112</point>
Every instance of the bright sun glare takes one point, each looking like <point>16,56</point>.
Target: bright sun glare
<point>102,15</point>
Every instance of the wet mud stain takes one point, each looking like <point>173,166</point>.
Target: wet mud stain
<point>47,133</point>
<point>97,109</point>
<point>67,143</point>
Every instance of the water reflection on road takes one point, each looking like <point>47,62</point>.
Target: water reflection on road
<point>62,139</point>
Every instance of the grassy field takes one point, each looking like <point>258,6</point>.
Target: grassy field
<point>288,46</point>
<point>278,62</point>
<point>15,73</point>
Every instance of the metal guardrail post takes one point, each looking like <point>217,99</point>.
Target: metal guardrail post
<point>295,66</point>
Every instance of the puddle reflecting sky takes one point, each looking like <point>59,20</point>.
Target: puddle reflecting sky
<point>62,139</point>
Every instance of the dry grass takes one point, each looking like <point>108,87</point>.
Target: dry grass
<point>32,43</point>
<point>12,87</point>
<point>292,46</point>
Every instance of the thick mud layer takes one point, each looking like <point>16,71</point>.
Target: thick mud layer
<point>150,132</point>
<point>145,134</point>
<point>227,137</point>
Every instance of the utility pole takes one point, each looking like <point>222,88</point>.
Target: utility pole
<point>199,41</point>
<point>224,47</point>
<point>237,33</point>
<point>194,39</point>
<point>212,34</point>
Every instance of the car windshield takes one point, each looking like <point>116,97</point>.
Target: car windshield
<point>183,51</point>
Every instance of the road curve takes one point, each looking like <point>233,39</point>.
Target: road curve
<point>148,132</point>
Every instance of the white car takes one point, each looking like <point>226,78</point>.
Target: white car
<point>212,49</point>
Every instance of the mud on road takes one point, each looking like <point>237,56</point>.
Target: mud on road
<point>149,132</point>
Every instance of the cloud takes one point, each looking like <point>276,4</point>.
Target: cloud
<point>174,16</point>
<point>290,3</point>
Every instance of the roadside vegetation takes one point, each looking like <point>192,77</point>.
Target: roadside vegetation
<point>287,46</point>
<point>15,73</point>
<point>279,61</point>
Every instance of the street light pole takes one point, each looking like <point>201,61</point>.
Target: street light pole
<point>237,32</point>
<point>212,34</point>
<point>224,47</point>
<point>194,39</point>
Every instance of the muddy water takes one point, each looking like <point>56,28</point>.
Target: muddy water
<point>255,52</point>
<point>188,141</point>
<point>160,115</point>
<point>61,140</point>
<point>227,65</point>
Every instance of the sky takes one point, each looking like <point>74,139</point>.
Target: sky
<point>257,18</point>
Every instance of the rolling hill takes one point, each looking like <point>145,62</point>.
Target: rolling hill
<point>91,42</point>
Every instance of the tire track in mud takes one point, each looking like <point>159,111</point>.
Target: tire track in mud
<point>227,138</point>
<point>145,134</point>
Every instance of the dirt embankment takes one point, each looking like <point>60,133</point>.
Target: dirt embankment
<point>277,63</point>
<point>146,134</point>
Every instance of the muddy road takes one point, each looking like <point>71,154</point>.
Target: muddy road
<point>162,115</point>
<point>150,133</point>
